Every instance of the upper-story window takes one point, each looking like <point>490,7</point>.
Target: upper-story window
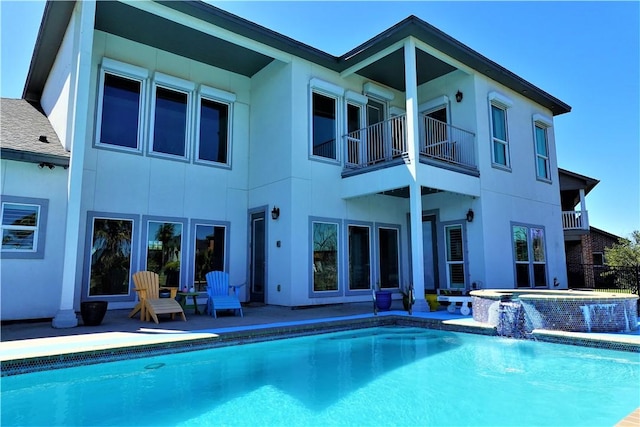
<point>171,115</point>
<point>121,105</point>
<point>324,118</point>
<point>214,125</point>
<point>540,126</point>
<point>324,126</point>
<point>499,129</point>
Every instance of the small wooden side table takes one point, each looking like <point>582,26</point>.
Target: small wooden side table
<point>183,300</point>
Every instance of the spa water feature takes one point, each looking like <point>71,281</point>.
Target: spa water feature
<point>516,313</point>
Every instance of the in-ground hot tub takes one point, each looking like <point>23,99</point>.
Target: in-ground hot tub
<point>516,312</point>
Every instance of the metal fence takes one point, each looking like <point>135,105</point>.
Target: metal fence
<point>603,277</point>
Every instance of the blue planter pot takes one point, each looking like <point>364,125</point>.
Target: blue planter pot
<point>383,300</point>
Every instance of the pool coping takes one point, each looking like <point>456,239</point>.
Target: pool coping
<point>21,357</point>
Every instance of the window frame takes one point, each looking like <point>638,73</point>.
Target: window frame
<point>130,72</point>
<point>133,263</point>
<point>178,85</point>
<point>370,228</point>
<point>543,123</point>
<point>503,103</point>
<point>355,100</point>
<point>218,96</point>
<point>335,92</point>
<point>40,229</point>
<point>378,273</point>
<point>465,261</point>
<point>531,262</point>
<point>184,250</point>
<point>339,258</point>
<point>194,223</point>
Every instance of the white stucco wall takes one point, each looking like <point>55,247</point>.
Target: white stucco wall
<point>56,92</point>
<point>31,287</point>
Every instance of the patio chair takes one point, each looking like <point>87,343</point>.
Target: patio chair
<point>148,288</point>
<point>219,296</point>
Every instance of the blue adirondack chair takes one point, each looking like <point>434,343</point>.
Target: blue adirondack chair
<point>218,291</point>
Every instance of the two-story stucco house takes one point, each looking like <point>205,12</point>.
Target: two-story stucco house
<point>200,141</point>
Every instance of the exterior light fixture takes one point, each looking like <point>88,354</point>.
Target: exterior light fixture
<point>459,96</point>
<point>275,213</point>
<point>470,216</point>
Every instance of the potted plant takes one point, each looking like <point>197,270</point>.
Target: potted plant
<point>93,312</point>
<point>383,298</point>
<point>432,299</point>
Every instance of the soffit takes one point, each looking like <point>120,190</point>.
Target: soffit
<point>389,70</point>
<point>142,27</point>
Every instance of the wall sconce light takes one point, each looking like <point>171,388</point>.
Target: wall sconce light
<point>275,213</point>
<point>459,96</point>
<point>470,216</point>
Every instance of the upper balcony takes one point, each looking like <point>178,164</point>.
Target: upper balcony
<point>385,143</point>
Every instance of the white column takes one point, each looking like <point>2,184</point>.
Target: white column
<point>415,193</point>
<point>584,218</point>
<point>84,16</point>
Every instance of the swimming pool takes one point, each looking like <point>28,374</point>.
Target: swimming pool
<point>380,376</point>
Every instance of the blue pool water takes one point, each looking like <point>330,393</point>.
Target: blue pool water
<point>381,376</point>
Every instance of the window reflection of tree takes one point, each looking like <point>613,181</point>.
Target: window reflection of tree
<point>325,257</point>
<point>110,257</point>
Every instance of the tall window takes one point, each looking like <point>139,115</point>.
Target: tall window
<point>499,135</point>
<point>324,126</point>
<point>120,124</point>
<point>110,267</point>
<point>325,256</point>
<point>389,253</point>
<point>214,134</point>
<point>530,256</point>
<point>455,256</point>
<point>359,257</point>
<point>209,253</point>
<point>164,251</point>
<point>170,122</point>
<point>20,224</point>
<point>542,152</point>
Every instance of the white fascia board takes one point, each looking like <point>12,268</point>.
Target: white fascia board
<point>543,120</point>
<point>370,60</point>
<point>207,28</point>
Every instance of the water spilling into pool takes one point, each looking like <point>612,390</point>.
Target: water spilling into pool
<point>517,312</point>
<point>380,376</point>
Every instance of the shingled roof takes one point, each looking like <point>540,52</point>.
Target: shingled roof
<point>27,135</point>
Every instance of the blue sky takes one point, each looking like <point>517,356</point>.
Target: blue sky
<point>587,54</point>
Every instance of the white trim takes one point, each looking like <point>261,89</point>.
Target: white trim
<point>207,94</point>
<point>542,119</point>
<point>378,91</point>
<point>223,95</point>
<point>124,68</point>
<point>434,103</point>
<point>500,99</point>
<point>355,97</point>
<point>129,72</point>
<point>323,86</point>
<point>173,82</point>
<point>396,111</point>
